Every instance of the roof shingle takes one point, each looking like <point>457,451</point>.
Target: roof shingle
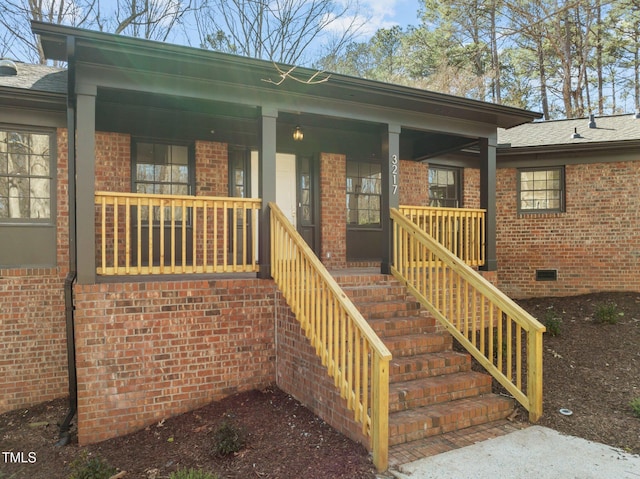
<point>559,132</point>
<point>37,77</point>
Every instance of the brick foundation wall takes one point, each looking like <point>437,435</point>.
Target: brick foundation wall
<point>33,355</point>
<point>333,212</point>
<point>300,373</point>
<point>594,244</point>
<point>146,351</point>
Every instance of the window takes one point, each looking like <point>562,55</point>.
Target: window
<point>445,189</point>
<point>25,176</point>
<point>364,193</point>
<point>541,190</point>
<point>162,169</point>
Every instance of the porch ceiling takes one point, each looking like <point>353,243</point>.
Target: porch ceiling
<point>150,115</point>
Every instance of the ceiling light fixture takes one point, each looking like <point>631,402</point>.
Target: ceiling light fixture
<point>298,134</point>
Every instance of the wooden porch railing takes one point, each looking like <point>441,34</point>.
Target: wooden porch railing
<point>354,356</point>
<point>502,336</point>
<point>460,230</point>
<point>138,234</point>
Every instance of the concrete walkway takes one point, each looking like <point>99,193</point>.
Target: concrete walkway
<point>535,452</point>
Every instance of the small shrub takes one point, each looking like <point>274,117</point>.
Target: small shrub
<point>552,323</point>
<point>85,467</point>
<point>227,439</point>
<point>192,474</point>
<point>635,406</point>
<point>608,313</point>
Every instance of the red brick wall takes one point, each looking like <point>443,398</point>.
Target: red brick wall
<point>594,245</point>
<point>414,183</point>
<point>33,357</point>
<point>301,373</point>
<point>113,166</point>
<point>146,351</point>
<point>333,210</point>
<point>471,188</point>
<point>212,169</point>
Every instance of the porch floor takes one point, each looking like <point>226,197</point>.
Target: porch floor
<point>430,446</point>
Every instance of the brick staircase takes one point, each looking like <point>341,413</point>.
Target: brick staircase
<point>432,388</point>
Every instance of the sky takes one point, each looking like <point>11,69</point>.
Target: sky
<point>387,13</point>
<point>380,13</point>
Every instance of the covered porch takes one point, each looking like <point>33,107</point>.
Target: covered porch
<point>192,125</point>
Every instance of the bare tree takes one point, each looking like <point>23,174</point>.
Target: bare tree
<point>277,30</point>
<point>16,15</point>
<point>150,19</point>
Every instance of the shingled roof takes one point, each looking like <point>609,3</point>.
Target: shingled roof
<point>616,128</point>
<point>37,78</point>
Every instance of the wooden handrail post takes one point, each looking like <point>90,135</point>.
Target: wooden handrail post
<point>534,374</point>
<point>380,409</point>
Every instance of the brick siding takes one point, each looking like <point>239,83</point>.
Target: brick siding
<point>300,373</point>
<point>594,244</point>
<point>212,169</point>
<point>333,210</point>
<point>471,188</point>
<point>414,183</point>
<point>113,168</point>
<point>146,351</point>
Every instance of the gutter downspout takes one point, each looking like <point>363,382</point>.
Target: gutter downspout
<point>64,436</point>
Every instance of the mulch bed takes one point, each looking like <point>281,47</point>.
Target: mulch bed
<point>592,368</point>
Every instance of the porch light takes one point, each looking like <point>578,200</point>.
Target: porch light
<point>298,134</point>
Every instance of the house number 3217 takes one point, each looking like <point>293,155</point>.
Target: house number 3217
<point>394,174</point>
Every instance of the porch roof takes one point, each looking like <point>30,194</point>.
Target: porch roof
<point>259,77</point>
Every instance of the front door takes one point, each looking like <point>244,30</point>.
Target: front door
<point>295,180</point>
<point>286,186</point>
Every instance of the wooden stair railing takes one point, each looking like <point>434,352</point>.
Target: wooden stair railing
<point>354,356</point>
<point>460,230</point>
<point>499,334</point>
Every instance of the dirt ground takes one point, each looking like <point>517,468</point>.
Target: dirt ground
<point>593,369</point>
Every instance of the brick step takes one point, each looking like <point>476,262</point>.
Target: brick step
<point>388,309</point>
<point>415,424</point>
<point>377,293</point>
<point>413,344</point>
<point>428,365</point>
<point>406,325</point>
<point>438,389</point>
<point>346,279</point>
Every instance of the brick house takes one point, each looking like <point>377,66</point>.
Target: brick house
<point>580,230</point>
<point>137,254</point>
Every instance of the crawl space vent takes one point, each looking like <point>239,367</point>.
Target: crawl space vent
<point>546,275</point>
